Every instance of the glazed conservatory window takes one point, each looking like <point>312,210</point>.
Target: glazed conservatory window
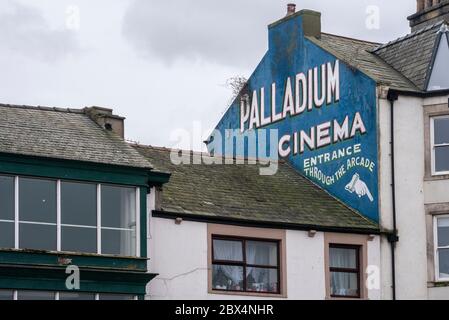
<point>442,248</point>
<point>55,215</point>
<point>344,271</point>
<point>78,218</point>
<point>6,295</point>
<point>440,145</point>
<point>35,295</point>
<point>76,296</point>
<point>37,214</point>
<point>7,212</point>
<point>118,220</point>
<point>241,265</point>
<point>52,295</point>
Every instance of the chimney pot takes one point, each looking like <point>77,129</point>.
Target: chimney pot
<point>291,9</point>
<point>420,5</point>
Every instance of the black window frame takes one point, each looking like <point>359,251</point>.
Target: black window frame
<point>356,271</point>
<point>243,264</point>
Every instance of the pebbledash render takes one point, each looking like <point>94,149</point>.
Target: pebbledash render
<point>358,207</point>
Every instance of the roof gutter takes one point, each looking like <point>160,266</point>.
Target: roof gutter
<point>419,94</point>
<point>260,224</point>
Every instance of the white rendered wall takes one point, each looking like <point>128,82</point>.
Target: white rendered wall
<point>179,255</point>
<point>437,192</point>
<point>411,251</point>
<point>385,195</point>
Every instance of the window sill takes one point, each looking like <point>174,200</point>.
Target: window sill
<point>248,294</point>
<point>345,299</point>
<point>438,284</point>
<point>52,258</point>
<point>437,177</point>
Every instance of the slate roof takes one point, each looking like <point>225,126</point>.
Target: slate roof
<point>239,192</point>
<point>402,64</point>
<point>63,134</point>
<point>357,54</point>
<point>412,55</point>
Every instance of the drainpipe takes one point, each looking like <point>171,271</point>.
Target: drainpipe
<point>393,237</point>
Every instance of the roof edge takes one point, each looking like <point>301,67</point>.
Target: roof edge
<point>261,224</point>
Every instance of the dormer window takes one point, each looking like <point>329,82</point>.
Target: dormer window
<point>438,79</point>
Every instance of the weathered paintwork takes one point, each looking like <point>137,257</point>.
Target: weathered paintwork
<point>290,53</point>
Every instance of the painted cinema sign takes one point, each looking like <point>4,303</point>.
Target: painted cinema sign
<point>324,112</point>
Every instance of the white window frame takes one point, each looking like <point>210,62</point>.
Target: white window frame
<point>436,248</point>
<point>434,146</point>
<point>59,224</point>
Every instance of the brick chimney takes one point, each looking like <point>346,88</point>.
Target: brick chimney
<point>105,118</point>
<point>429,12</point>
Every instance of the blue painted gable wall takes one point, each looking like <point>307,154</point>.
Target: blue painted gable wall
<point>291,53</point>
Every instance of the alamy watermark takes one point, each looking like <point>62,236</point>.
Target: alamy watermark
<point>229,147</point>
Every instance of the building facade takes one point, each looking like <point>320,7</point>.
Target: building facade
<point>368,123</point>
<point>357,206</point>
<point>73,206</point>
<point>223,231</point>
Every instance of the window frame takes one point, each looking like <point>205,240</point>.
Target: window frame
<point>433,146</point>
<point>56,294</point>
<point>59,224</point>
<point>245,265</point>
<point>356,271</point>
<point>437,248</point>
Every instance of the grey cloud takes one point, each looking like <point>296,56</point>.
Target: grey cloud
<point>217,31</point>
<point>233,32</point>
<point>24,30</point>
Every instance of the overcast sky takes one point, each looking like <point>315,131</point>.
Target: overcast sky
<point>162,64</point>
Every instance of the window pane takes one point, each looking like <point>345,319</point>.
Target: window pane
<point>37,237</point>
<point>262,280</point>
<point>35,295</point>
<point>441,130</point>
<point>6,295</point>
<point>79,239</point>
<point>228,278</point>
<point>344,284</point>
<point>226,250</point>
<point>110,297</point>
<point>37,200</point>
<point>76,296</point>
<point>118,207</point>
<point>79,204</point>
<point>118,242</point>
<point>7,235</point>
<point>442,159</point>
<point>6,198</point>
<point>443,257</point>
<point>443,232</point>
<point>343,258</point>
<point>262,253</point>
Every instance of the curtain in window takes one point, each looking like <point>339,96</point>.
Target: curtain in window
<point>343,284</point>
<point>261,253</point>
<point>229,251</point>
<point>128,220</point>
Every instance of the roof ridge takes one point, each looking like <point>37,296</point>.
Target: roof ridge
<point>350,38</point>
<point>408,36</point>
<point>42,108</point>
